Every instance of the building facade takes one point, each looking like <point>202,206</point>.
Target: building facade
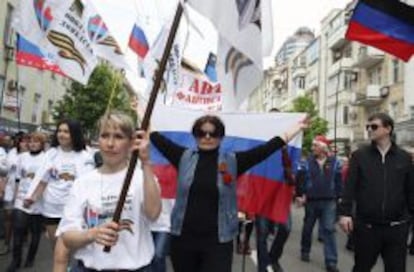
<point>348,82</point>
<point>27,95</point>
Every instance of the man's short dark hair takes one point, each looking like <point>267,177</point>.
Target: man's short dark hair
<point>274,110</point>
<point>214,120</point>
<point>385,119</point>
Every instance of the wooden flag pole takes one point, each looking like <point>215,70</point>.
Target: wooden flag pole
<point>147,115</point>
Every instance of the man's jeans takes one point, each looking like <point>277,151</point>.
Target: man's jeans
<point>162,248</point>
<point>325,211</point>
<point>264,227</point>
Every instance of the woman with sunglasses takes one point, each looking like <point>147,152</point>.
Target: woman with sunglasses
<point>204,219</point>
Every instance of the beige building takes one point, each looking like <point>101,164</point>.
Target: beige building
<point>27,95</point>
<point>348,82</point>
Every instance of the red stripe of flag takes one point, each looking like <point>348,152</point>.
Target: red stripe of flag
<point>358,32</point>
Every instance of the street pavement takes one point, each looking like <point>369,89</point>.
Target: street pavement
<point>290,260</point>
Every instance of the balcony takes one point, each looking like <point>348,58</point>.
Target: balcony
<point>369,96</point>
<point>337,39</point>
<point>368,57</point>
<point>299,71</point>
<point>342,64</point>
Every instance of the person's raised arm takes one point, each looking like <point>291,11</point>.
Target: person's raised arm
<point>152,195</point>
<point>249,158</point>
<point>168,148</point>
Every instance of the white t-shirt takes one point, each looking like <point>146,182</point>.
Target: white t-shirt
<point>3,162</point>
<point>9,191</point>
<point>92,202</point>
<point>59,171</point>
<point>163,223</point>
<point>27,166</point>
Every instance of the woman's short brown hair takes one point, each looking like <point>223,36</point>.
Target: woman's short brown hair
<point>212,119</point>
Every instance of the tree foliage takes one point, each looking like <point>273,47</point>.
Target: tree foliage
<point>317,126</point>
<point>87,103</point>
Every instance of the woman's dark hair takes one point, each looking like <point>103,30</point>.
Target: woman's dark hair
<point>385,119</point>
<point>75,131</point>
<point>214,120</point>
<point>18,138</point>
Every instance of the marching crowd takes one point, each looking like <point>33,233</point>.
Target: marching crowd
<point>69,191</point>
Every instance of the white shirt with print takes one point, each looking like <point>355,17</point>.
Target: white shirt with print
<point>27,166</point>
<point>163,223</point>
<point>9,191</point>
<point>59,171</point>
<point>92,202</point>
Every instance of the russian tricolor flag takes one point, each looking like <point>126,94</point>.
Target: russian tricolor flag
<point>263,190</point>
<point>385,24</point>
<point>28,54</point>
<point>138,42</point>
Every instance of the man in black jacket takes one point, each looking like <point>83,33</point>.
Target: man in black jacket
<point>381,184</point>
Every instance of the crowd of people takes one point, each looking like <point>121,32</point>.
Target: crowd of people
<point>69,192</point>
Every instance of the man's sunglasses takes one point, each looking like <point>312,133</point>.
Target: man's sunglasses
<point>199,133</point>
<point>372,127</point>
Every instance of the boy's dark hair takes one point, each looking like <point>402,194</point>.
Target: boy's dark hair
<point>214,120</point>
<point>75,131</point>
<point>385,119</point>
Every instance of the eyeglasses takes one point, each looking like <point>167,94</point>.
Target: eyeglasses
<point>202,133</point>
<point>373,127</point>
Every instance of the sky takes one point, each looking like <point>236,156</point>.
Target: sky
<point>289,15</point>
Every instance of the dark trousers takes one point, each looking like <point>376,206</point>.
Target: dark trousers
<point>21,223</point>
<point>201,257</point>
<point>264,228</point>
<point>411,245</point>
<point>162,248</point>
<point>388,241</point>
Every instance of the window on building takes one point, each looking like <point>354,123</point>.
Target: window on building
<point>395,70</point>
<point>336,55</point>
<point>36,106</point>
<point>301,82</point>
<point>8,31</point>
<point>375,75</point>
<point>393,109</point>
<point>347,52</point>
<point>345,114</point>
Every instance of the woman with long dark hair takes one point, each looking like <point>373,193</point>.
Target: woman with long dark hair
<point>204,219</point>
<point>65,161</point>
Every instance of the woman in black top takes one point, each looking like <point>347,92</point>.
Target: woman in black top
<point>199,241</point>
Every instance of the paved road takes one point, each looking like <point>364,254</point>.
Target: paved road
<point>290,259</point>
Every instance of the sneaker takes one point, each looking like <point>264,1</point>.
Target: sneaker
<point>305,257</point>
<point>277,267</point>
<point>14,266</point>
<point>28,264</point>
<point>332,268</point>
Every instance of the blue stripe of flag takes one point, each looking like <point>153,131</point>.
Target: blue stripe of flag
<point>383,23</point>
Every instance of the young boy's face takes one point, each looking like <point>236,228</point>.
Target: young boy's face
<point>114,145</point>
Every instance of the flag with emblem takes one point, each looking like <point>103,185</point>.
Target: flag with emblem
<point>59,29</point>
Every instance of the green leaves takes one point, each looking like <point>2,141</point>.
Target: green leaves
<point>317,126</point>
<point>88,103</point>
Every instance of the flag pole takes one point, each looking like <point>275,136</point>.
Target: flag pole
<point>147,114</point>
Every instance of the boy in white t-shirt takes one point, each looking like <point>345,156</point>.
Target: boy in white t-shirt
<point>87,226</point>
